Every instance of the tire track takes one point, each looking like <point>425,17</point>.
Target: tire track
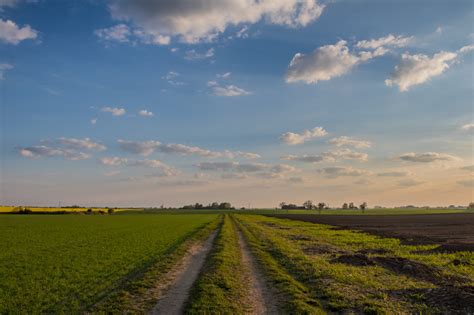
<point>261,298</point>
<point>179,281</point>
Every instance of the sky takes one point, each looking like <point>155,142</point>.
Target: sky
<point>149,103</point>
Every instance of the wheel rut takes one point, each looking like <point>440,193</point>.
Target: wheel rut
<point>178,282</point>
<point>261,298</point>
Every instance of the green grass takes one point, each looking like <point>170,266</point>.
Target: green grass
<point>293,296</point>
<point>57,264</point>
<point>221,287</point>
<point>343,287</point>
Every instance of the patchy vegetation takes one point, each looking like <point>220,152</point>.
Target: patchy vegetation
<point>350,271</point>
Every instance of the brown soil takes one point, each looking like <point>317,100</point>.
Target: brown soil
<point>354,260</point>
<point>447,299</point>
<point>321,249</point>
<point>178,282</point>
<point>453,232</point>
<point>261,298</point>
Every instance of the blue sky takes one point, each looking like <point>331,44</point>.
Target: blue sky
<point>140,103</point>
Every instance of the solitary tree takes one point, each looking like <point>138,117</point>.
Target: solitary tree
<point>471,205</point>
<point>308,204</point>
<point>345,205</point>
<point>110,211</point>
<point>363,206</point>
<point>282,205</point>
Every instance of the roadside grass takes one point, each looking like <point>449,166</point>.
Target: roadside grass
<point>221,287</point>
<point>65,264</point>
<point>309,253</point>
<point>139,294</point>
<point>293,296</point>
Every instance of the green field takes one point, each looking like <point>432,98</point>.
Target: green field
<point>67,263</point>
<point>117,263</point>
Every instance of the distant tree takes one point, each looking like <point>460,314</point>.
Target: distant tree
<point>225,205</point>
<point>89,211</point>
<point>308,204</point>
<point>345,205</point>
<point>198,206</point>
<point>321,205</point>
<point>363,206</point>
<point>352,206</point>
<point>471,205</point>
<point>110,211</point>
<point>214,205</point>
<point>282,205</point>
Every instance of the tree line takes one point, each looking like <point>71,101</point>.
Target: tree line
<point>309,205</point>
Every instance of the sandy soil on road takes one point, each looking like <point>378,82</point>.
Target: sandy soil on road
<point>261,298</point>
<point>182,277</point>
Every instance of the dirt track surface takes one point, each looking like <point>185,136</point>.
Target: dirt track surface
<point>262,299</point>
<point>454,232</point>
<point>182,279</point>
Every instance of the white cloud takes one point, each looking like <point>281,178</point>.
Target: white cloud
<point>3,68</point>
<point>225,75</point>
<point>234,176</point>
<point>119,33</point>
<point>194,55</point>
<point>78,144</point>
<point>165,170</point>
<point>148,147</point>
<point>468,127</point>
<point>93,121</point>
<point>171,78</point>
<point>46,151</point>
<point>350,141</point>
<point>236,167</point>
<point>331,61</point>
<point>195,21</point>
<point>330,156</point>
<point>322,64</point>
<point>410,182</point>
<point>144,148</point>
<point>229,90</point>
<point>466,49</point>
<point>387,41</point>
<point>186,150</point>
<point>299,138</point>
<point>13,34</point>
<point>247,155</point>
<point>417,69</point>
<point>395,174</point>
<point>338,171</point>
<point>122,33</point>
<point>68,148</point>
<point>112,161</point>
<point>427,157</point>
<point>145,113</point>
<point>115,111</point>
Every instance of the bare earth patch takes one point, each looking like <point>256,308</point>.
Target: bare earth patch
<point>178,282</point>
<point>261,299</point>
